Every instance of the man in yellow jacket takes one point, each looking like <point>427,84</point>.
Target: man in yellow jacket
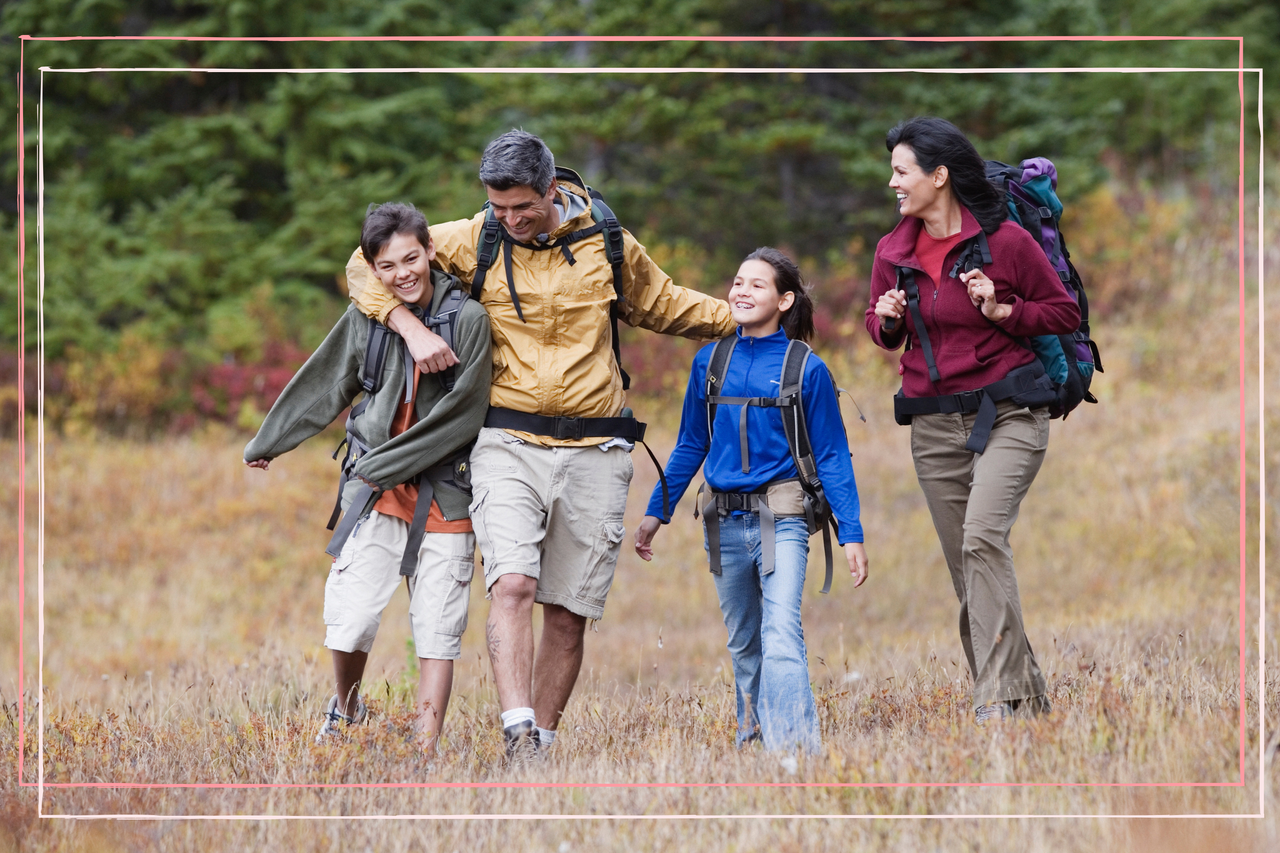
<point>551,468</point>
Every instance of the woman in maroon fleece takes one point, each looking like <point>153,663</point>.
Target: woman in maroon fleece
<point>970,372</point>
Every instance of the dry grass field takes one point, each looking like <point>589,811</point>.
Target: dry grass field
<point>183,670</point>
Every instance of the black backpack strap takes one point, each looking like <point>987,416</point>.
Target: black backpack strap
<point>443,324</point>
<point>601,213</point>
<point>715,377</point>
<point>487,249</point>
<point>907,284</point>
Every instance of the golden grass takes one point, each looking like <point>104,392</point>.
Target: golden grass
<point>183,646</point>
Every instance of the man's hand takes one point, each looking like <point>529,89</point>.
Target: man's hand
<point>857,557</point>
<point>259,463</point>
<point>428,349</point>
<point>644,536</point>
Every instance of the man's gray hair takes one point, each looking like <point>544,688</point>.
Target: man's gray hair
<point>518,159</point>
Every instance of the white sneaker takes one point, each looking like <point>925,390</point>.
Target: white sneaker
<point>333,717</point>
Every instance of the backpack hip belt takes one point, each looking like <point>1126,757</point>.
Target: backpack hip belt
<point>789,500</point>
<point>1028,386</point>
<point>567,428</point>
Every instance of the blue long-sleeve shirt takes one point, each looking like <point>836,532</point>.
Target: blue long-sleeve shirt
<point>755,370</point>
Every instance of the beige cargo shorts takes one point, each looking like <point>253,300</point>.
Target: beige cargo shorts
<point>550,513</point>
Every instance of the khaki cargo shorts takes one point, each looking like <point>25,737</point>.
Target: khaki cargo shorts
<point>367,573</point>
<point>550,513</point>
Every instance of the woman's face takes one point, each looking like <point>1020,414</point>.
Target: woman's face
<point>754,300</point>
<point>917,191</point>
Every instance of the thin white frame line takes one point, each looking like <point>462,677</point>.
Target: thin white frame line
<point>1119,69</point>
<point>40,365</point>
<point>597,71</point>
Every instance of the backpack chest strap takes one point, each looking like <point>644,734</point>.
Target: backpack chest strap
<point>746,403</point>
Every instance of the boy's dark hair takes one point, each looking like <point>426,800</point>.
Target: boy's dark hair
<point>797,321</point>
<point>518,159</point>
<point>384,221</point>
<point>937,142</point>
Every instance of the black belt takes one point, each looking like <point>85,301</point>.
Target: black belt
<point>1028,386</point>
<point>563,427</point>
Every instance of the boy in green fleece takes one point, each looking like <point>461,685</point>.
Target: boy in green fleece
<point>406,492</point>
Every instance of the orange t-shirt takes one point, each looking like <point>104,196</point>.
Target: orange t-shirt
<point>401,501</point>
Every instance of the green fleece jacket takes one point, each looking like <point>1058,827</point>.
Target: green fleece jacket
<point>446,422</point>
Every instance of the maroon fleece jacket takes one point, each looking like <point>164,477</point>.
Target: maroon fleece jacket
<point>970,350</point>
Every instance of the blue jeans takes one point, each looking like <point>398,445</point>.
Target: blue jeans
<point>766,640</point>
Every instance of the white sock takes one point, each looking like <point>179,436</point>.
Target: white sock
<point>517,715</point>
<point>546,736</point>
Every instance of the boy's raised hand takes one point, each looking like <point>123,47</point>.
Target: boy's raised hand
<point>644,536</point>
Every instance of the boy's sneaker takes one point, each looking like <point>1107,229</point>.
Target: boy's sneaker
<point>334,719</point>
<point>522,742</point>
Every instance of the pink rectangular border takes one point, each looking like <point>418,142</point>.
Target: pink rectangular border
<point>1242,469</point>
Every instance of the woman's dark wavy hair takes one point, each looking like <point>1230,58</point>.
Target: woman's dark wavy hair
<point>937,142</point>
<point>797,321</point>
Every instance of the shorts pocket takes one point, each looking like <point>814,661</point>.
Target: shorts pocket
<point>604,558</point>
<point>453,610</point>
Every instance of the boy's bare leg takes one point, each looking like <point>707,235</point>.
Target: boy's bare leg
<point>559,659</point>
<point>348,669</point>
<point>509,636</point>
<point>435,684</point>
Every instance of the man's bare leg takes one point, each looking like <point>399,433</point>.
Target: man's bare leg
<point>509,636</point>
<point>559,659</point>
<point>435,685</point>
<point>348,669</point>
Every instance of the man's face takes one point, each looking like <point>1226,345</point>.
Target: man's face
<point>523,212</point>
<point>403,268</point>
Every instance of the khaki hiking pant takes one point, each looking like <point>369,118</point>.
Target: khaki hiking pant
<point>974,500</point>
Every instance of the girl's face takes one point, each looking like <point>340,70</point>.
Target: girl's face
<point>916,190</point>
<point>754,300</point>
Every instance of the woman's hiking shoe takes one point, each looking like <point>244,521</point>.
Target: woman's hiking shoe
<point>997,711</point>
<point>334,719</point>
<point>522,742</point>
<point>1014,708</point>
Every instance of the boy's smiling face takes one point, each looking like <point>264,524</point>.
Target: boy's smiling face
<point>403,267</point>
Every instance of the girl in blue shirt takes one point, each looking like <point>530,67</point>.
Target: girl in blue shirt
<point>761,608</point>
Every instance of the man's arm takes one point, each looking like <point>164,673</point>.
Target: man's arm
<point>655,303</point>
<point>371,297</point>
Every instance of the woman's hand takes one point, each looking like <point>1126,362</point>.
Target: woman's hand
<point>892,305</point>
<point>982,292</point>
<point>259,463</point>
<point>856,554</point>
<point>644,536</point>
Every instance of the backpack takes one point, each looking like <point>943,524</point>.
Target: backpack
<point>494,238</point>
<point>375,356</point>
<point>1069,360</point>
<point>817,509</point>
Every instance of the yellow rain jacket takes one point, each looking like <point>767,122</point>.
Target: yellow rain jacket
<point>559,360</point>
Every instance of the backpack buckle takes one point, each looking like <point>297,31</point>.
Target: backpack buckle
<point>568,428</point>
<point>968,401</point>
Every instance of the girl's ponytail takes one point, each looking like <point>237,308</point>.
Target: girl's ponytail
<point>797,321</point>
